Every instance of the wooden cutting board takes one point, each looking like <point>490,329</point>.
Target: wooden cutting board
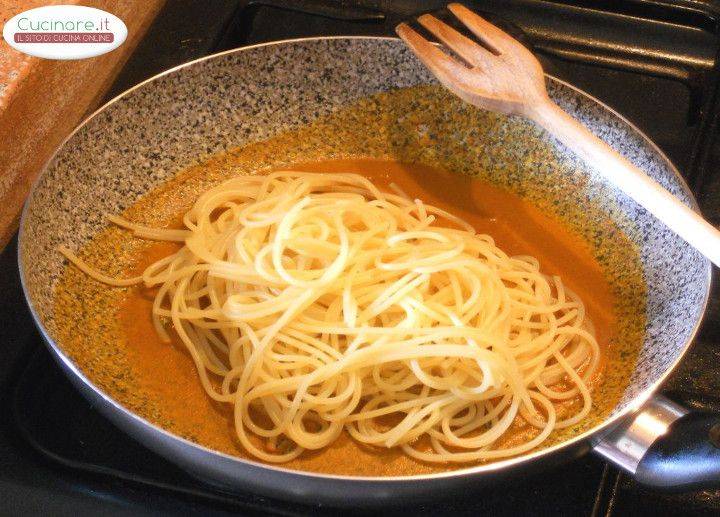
<point>41,100</point>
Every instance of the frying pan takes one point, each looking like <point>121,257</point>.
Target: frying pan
<point>143,137</point>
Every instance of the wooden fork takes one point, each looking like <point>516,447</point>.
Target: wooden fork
<point>502,75</point>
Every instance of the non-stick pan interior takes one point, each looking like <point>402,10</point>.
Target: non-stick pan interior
<point>145,137</point>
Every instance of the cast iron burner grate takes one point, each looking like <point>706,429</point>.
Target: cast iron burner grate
<point>654,61</point>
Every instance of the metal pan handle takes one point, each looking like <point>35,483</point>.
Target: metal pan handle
<point>666,445</point>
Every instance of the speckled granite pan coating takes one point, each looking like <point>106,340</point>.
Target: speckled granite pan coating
<point>160,128</point>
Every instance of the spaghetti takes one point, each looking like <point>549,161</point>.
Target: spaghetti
<point>315,303</point>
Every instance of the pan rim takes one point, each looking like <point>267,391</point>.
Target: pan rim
<point>70,367</point>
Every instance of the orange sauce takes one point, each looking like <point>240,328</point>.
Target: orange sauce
<point>167,372</point>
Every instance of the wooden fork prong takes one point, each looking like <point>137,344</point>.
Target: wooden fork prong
<point>495,39</point>
<point>463,46</point>
<point>445,68</point>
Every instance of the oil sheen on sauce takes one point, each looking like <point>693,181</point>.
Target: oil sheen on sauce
<point>166,370</point>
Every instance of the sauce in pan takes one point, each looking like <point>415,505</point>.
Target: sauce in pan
<point>167,374</point>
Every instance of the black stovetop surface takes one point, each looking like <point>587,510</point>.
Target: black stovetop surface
<point>655,61</point>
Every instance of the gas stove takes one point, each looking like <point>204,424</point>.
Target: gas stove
<point>654,61</point>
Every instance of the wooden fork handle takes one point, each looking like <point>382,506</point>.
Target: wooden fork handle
<point>677,216</point>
